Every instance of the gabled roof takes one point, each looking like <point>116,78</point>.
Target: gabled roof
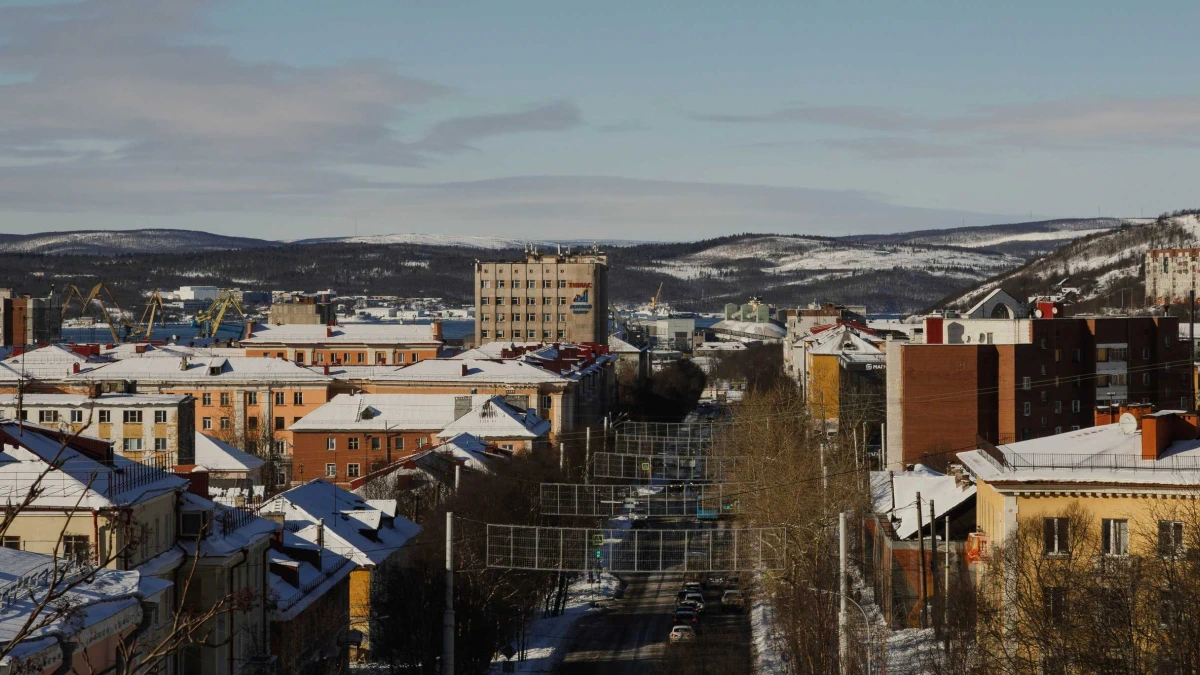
<point>387,412</point>
<point>840,340</point>
<point>472,452</point>
<point>350,333</point>
<point>620,346</point>
<point>312,583</point>
<point>507,371</point>
<point>27,451</point>
<point>496,419</point>
<point>217,455</point>
<point>320,504</point>
<point>46,363</point>
<point>231,529</point>
<point>214,369</point>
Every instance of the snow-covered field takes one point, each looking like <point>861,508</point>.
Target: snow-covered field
<point>98,242</point>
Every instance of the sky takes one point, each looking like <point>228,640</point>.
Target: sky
<point>571,120</point>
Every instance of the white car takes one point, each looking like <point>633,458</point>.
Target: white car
<point>682,634</point>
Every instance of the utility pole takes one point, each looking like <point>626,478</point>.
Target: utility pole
<point>933,562</point>
<point>921,551</point>
<point>587,454</point>
<point>1192,349</point>
<point>843,591</point>
<point>561,454</point>
<point>448,615</point>
<point>457,476</point>
<point>946,592</point>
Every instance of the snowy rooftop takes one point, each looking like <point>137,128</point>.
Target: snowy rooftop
<point>842,341</point>
<point>1097,454</point>
<point>943,490</point>
<point>487,415</point>
<point>765,331</point>
<point>135,350</point>
<point>46,363</point>
<point>112,596</point>
<point>101,401</point>
<point>26,452</point>
<point>217,455</point>
<point>352,333</point>
<point>211,369</point>
<point>310,583</point>
<point>619,346</point>
<point>347,520</point>
<point>515,371</point>
<point>231,529</point>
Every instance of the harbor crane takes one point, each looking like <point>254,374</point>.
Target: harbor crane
<point>154,310</point>
<point>210,319</point>
<point>97,295</point>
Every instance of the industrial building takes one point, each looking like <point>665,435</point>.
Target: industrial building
<point>546,297</point>
<point>25,320</point>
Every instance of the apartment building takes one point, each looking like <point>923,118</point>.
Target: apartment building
<point>140,426</point>
<point>1171,275</point>
<point>246,401</point>
<point>544,297</point>
<point>799,323</point>
<point>351,344</point>
<point>25,320</point>
<point>943,397</point>
<point>357,434</point>
<point>842,371</point>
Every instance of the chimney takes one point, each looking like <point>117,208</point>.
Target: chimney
<point>328,331</point>
<point>437,330</point>
<point>465,370</point>
<point>321,532</point>
<point>183,363</point>
<point>326,368</point>
<point>1162,428</point>
<point>75,368</point>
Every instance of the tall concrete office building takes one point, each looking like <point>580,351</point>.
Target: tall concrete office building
<point>543,298</point>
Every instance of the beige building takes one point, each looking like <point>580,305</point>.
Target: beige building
<point>139,425</point>
<point>544,297</point>
<point>1171,275</point>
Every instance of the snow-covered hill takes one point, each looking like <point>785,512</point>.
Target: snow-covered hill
<point>119,242</point>
<point>1106,267</point>
<point>1028,240</point>
<point>416,239</point>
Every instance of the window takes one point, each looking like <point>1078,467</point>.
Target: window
<point>105,416</point>
<point>1056,535</point>
<point>11,542</point>
<point>545,283</point>
<point>562,334</point>
<point>547,300</point>
<point>485,301</point>
<point>48,416</point>
<point>206,423</point>
<point>160,445</point>
<point>206,399</point>
<point>562,301</point>
<point>501,317</point>
<point>531,317</point>
<point>331,443</point>
<point>352,471</point>
<point>1167,341</point>
<point>1074,427</point>
<point>1102,380</point>
<point>279,398</point>
<point>1114,537</point>
<point>562,317</point>
<point>225,400</point>
<point>224,422</point>
<point>1058,430</point>
<point>1057,353</point>
<point>132,445</point>
<point>562,283</point>
<point>499,283</point>
<point>331,470</point>
<point>547,317</point>
<point>547,402</point>
<point>76,547</point>
<point>412,358</point>
<point>252,423</point>
<point>1057,407</point>
<point>374,442</point>
<point>298,396</point>
<point>1043,343</point>
<point>516,317</point>
<point>319,357</point>
<point>1170,538</point>
<point>1054,599</point>
<point>421,442</point>
<point>1145,353</point>
<point>279,424</point>
<point>160,416</point>
<point>485,333</point>
<point>500,333</point>
<point>1078,357</point>
<point>485,317</point>
<point>516,301</point>
<point>398,442</point>
<point>252,398</point>
<point>530,301</point>
<point>352,443</point>
<point>76,417</point>
<point>1026,408</point>
<point>279,446</point>
<point>1075,406</point>
<point>545,335</point>
<point>485,283</point>
<point>531,333</point>
<point>133,417</point>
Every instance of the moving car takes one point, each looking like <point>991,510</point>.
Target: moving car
<point>694,598</point>
<point>714,581</point>
<point>692,586</point>
<point>732,600</point>
<point>684,615</point>
<point>682,634</point>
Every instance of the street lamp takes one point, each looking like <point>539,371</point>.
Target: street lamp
<point>866,620</point>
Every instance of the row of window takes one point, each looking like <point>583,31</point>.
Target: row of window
<point>359,357</point>
<point>516,301</point>
<point>352,471</point>
<point>1114,537</point>
<point>1102,380</point>
<point>206,423</point>
<point>560,334</point>
<point>1027,407</point>
<point>376,443</point>
<point>516,283</point>
<point>77,547</point>
<point>517,317</point>
<point>135,444</point>
<point>206,399</point>
<point>102,416</point>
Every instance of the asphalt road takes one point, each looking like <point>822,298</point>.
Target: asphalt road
<point>632,637</point>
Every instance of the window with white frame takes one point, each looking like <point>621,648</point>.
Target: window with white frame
<point>352,443</point>
<point>105,417</point>
<point>352,470</point>
<point>1056,536</point>
<point>1114,536</point>
<point>1170,538</point>
<point>331,443</point>
<point>160,416</point>
<point>133,417</point>
<point>76,417</point>
<point>205,423</point>
<point>48,417</point>
<point>1026,383</point>
<point>132,445</point>
<point>331,470</point>
<point>1026,408</point>
<point>1075,406</point>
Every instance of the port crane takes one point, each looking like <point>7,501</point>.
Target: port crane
<point>97,295</point>
<point>210,319</point>
<point>154,310</point>
<point>654,300</point>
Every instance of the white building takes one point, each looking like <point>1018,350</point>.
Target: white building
<point>197,293</point>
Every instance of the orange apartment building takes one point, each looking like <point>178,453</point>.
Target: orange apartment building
<point>942,398</point>
<point>350,345</point>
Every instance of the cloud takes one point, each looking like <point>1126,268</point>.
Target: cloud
<point>128,104</point>
<point>622,127</point>
<point>889,147</point>
<point>873,118</point>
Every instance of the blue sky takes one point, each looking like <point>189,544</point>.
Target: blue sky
<point>598,120</point>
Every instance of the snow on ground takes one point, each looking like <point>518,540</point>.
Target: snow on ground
<point>1057,235</point>
<point>768,645</point>
<point>906,650</point>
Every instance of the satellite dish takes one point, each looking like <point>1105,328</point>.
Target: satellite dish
<point>1037,313</point>
<point>1128,424</point>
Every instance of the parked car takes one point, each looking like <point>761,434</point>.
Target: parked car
<point>682,634</point>
<point>732,600</point>
<point>684,615</point>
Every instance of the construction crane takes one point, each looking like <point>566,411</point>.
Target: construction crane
<point>210,319</point>
<point>654,300</point>
<point>97,295</point>
<point>154,309</point>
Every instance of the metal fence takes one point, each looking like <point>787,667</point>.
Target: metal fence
<point>705,500</point>
<point>1018,462</point>
<point>655,438</point>
<point>687,469</point>
<point>580,549</point>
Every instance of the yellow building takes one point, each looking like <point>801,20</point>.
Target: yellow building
<point>840,362</point>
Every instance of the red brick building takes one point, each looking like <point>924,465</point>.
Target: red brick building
<point>941,398</point>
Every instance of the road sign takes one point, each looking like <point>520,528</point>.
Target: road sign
<point>645,466</point>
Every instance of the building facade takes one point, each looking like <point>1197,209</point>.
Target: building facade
<point>543,298</point>
<point>25,320</point>
<point>1171,275</point>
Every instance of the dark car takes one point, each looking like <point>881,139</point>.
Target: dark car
<point>685,615</point>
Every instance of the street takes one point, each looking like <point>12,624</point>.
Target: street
<point>631,638</point>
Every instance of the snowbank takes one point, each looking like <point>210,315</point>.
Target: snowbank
<point>767,641</point>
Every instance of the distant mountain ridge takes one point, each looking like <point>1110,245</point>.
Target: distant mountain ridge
<point>1028,240</point>
<point>124,242</point>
